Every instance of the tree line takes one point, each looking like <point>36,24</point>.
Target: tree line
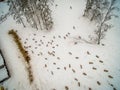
<point>36,13</point>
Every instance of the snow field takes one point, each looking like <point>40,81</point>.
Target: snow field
<point>60,59</point>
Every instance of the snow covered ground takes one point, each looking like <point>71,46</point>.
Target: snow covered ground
<point>60,60</point>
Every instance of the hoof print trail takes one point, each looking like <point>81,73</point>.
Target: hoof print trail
<point>58,67</point>
<point>90,62</point>
<point>45,65</point>
<point>110,76</point>
<point>97,56</point>
<point>73,70</point>
<point>105,70</point>
<point>75,79</point>
<point>81,66</point>
<point>76,57</point>
<point>70,53</point>
<point>79,84</point>
<point>90,88</point>
<point>64,68</point>
<point>94,68</point>
<point>52,73</point>
<point>100,61</point>
<point>69,65</point>
<point>84,74</point>
<point>98,83</point>
<point>88,52</point>
<point>66,88</point>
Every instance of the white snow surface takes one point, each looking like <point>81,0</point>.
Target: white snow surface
<point>74,64</point>
<point>3,73</point>
<point>1,60</point>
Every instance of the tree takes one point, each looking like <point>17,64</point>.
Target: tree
<point>4,17</point>
<point>89,5</point>
<point>45,14</point>
<point>35,12</point>
<point>103,27</point>
<point>15,12</point>
<point>100,11</point>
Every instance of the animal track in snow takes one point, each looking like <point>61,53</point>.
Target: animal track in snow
<point>66,88</point>
<point>98,82</point>
<point>79,84</point>
<point>54,59</point>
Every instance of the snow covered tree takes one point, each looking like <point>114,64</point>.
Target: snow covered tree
<point>36,12</point>
<point>100,11</point>
<point>15,12</point>
<point>89,4</point>
<point>104,26</point>
<point>3,17</point>
<point>95,9</point>
<point>45,14</point>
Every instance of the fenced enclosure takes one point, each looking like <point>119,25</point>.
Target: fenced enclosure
<point>4,72</point>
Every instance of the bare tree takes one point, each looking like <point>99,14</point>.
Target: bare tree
<point>35,12</point>
<point>15,11</point>
<point>4,17</point>
<point>103,27</point>
<point>45,14</point>
<point>89,4</point>
<point>100,11</point>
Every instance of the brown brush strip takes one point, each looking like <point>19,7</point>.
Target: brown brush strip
<point>23,52</point>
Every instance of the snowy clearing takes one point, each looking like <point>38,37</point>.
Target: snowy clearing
<point>62,59</point>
